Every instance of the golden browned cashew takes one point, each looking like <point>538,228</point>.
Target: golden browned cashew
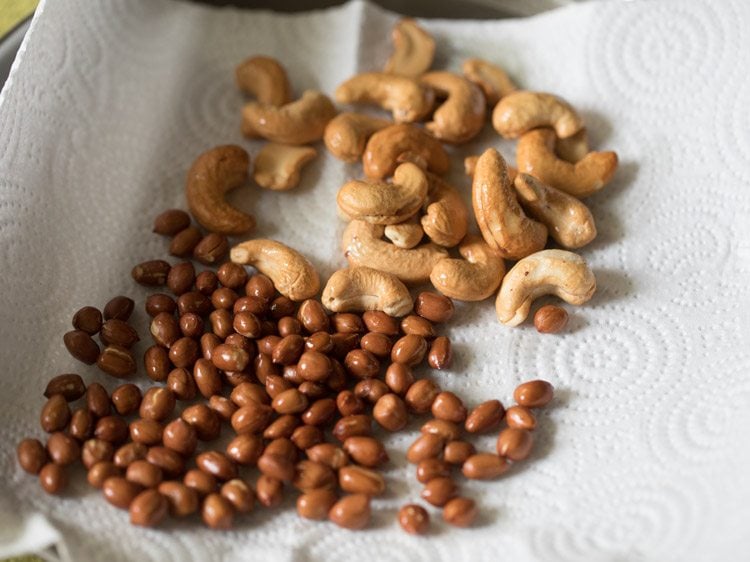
<point>568,220</point>
<point>492,79</point>
<point>385,203</point>
<point>535,155</point>
<point>461,116</point>
<point>363,288</point>
<point>362,245</point>
<point>405,97</point>
<point>298,122</point>
<point>473,278</point>
<point>446,217</point>
<point>501,220</point>
<point>403,143</point>
<point>413,49</point>
<point>550,272</point>
<point>470,164</point>
<point>347,133</point>
<point>406,234</point>
<point>573,148</point>
<point>213,173</point>
<point>264,78</point>
<point>522,111</point>
<point>291,272</point>
<point>277,166</point>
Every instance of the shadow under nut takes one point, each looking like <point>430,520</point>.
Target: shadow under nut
<point>402,142</point>
<point>473,278</point>
<point>461,116</point>
<point>346,134</point>
<point>264,78</point>
<point>521,111</point>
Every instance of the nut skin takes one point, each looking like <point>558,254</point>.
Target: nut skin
<point>351,512</point>
<point>53,478</point>
<point>520,417</point>
<point>366,451</point>
<point>460,512</point>
<point>447,406</point>
<point>31,455</point>
<point>151,273</point>
<point>426,446</point>
<point>440,355</point>
<point>245,449</point>
<point>485,417</point>
<point>328,454</point>
<point>484,466</point>
<point>119,308</point>
<point>181,437</point>
<point>70,386</point>
<point>170,462</point>
<point>117,361</point>
<point>170,222</point>
<point>80,345</point>
<point>533,394</point>
<point>390,412</point>
<point>81,424</point>
<point>182,500</point>
<point>217,512</point>
<point>269,490</point>
<point>434,307</point>
<point>239,494</point>
<point>421,396</point>
<point>315,504</point>
<point>414,519</point>
<point>380,322</point>
<point>550,319</point>
<point>456,452</point>
<point>126,399</point>
<point>515,444</point>
<point>212,248</point>
<point>55,414</point>
<point>409,350</point>
<point>99,472</point>
<point>97,400</point>
<point>448,430</point>
<point>428,469</point>
<point>217,464</point>
<point>439,491</point>
<point>88,319</point>
<point>120,492</point>
<point>350,426</point>
<point>202,482</point>
<point>359,480</point>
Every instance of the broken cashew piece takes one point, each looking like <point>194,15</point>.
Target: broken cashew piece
<point>291,272</point>
<point>549,272</point>
<point>404,97</point>
<point>461,116</point>
<point>362,245</point>
<point>500,217</point>
<point>212,175</point>
<point>277,166</point>
<point>298,122</point>
<point>385,203</point>
<point>492,79</point>
<point>473,278</point>
<point>573,148</point>
<point>568,220</point>
<point>264,78</point>
<point>470,164</point>
<point>446,217</point>
<point>363,288</point>
<point>522,111</point>
<point>535,155</point>
<point>346,134</point>
<point>406,234</point>
<point>403,143</point>
<point>413,49</point>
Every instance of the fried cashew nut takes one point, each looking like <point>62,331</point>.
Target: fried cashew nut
<point>388,147</point>
<point>265,79</point>
<point>212,175</point>
<point>573,148</point>
<point>522,111</point>
<point>549,272</point>
<point>470,164</point>
<point>446,217</point>
<point>363,288</point>
<point>461,116</point>
<point>346,134</point>
<point>277,166</point>
<point>404,97</point>
<point>413,49</point>
<point>492,79</point>
<point>406,234</point>
<point>473,278</point>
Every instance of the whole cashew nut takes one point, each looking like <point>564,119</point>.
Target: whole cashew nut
<point>405,97</point>
<point>492,79</point>
<point>473,278</point>
<point>413,49</point>
<point>535,155</point>
<point>573,148</point>
<point>347,133</point>
<point>264,78</point>
<point>362,245</point>
<point>277,166</point>
<point>522,111</point>
<point>403,143</point>
<point>461,116</point>
<point>406,234</point>
<point>549,272</point>
<point>470,164</point>
<point>446,217</point>
<point>568,220</point>
<point>298,122</point>
<point>212,174</point>
<point>363,288</point>
<point>385,203</point>
<point>291,272</point>
<point>501,220</point>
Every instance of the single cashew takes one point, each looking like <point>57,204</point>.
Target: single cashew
<point>298,122</point>
<point>522,111</point>
<point>405,97</point>
<point>212,174</point>
<point>473,278</point>
<point>492,79</point>
<point>264,78</point>
<point>549,272</point>
<point>347,133</point>
<point>385,203</point>
<point>501,219</point>
<point>413,49</point>
<point>362,245</point>
<point>573,148</point>
<point>406,234</point>
<point>535,155</point>
<point>363,288</point>
<point>461,116</point>
<point>568,220</point>
<point>291,272</point>
<point>403,143</point>
<point>470,164</point>
<point>446,217</point>
<point>277,166</point>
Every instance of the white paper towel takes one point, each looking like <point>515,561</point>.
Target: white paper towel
<point>644,456</point>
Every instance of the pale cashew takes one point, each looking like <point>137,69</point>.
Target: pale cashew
<point>461,116</point>
<point>535,155</point>
<point>264,78</point>
<point>573,148</point>
<point>492,79</point>
<point>446,217</point>
<point>277,166</point>
<point>212,174</point>
<point>347,133</point>
<point>501,219</point>
<point>413,49</point>
<point>470,164</point>
<point>568,220</point>
<point>473,278</point>
<point>363,288</point>
<point>385,203</point>
<point>405,97</point>
<point>406,234</point>
<point>362,245</point>
<point>549,272</point>
<point>298,122</point>
<point>403,143</point>
<point>522,111</point>
<point>291,272</point>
